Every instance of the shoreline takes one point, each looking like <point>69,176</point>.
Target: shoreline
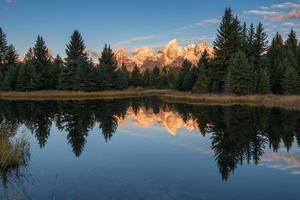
<point>282,101</point>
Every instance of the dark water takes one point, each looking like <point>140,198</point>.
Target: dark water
<point>148,149</point>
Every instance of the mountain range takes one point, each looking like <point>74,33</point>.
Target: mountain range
<point>171,55</point>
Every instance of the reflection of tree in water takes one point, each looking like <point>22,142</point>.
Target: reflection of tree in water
<point>239,133</point>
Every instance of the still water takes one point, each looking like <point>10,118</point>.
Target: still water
<point>149,149</point>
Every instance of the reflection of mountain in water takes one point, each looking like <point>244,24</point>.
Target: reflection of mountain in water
<point>238,134</point>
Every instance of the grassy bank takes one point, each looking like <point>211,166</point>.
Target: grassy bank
<point>74,95</point>
<point>290,102</point>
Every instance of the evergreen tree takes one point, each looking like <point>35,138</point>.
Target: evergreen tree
<point>263,86</point>
<point>201,85</point>
<point>276,64</point>
<point>164,78</point>
<point>11,56</point>
<point>76,60</point>
<point>41,62</point>
<point>136,77</point>
<point>147,78</point>
<point>155,77</point>
<point>25,79</point>
<point>204,62</point>
<point>260,45</point>
<point>121,81</point>
<point>292,42</point>
<point>109,61</point>
<point>250,43</point>
<point>3,48</point>
<point>10,80</point>
<point>126,72</point>
<point>290,81</point>
<point>227,43</point>
<point>185,68</point>
<point>240,77</point>
<point>189,80</point>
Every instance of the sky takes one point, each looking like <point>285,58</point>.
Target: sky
<point>131,24</point>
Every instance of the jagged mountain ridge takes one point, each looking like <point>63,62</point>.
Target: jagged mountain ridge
<point>171,55</point>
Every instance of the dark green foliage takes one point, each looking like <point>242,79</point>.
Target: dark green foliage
<point>3,47</point>
<point>147,78</point>
<point>276,64</point>
<point>201,85</point>
<point>240,78</point>
<point>121,82</point>
<point>185,68</point>
<point>136,77</point>
<point>155,78</point>
<point>108,61</point>
<point>189,80</point>
<point>41,63</point>
<point>10,79</point>
<point>25,79</point>
<point>228,42</point>
<point>11,56</point>
<point>290,81</point>
<point>260,45</point>
<point>76,61</point>
<point>263,86</point>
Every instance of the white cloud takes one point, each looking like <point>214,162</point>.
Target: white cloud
<point>133,40</point>
<point>286,5</point>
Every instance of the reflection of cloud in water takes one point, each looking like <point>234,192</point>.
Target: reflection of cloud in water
<point>283,161</point>
<point>171,121</point>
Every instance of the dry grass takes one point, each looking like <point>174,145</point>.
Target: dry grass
<point>13,154</point>
<point>74,95</point>
<point>290,102</point>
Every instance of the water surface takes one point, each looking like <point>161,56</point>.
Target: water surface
<point>148,149</point>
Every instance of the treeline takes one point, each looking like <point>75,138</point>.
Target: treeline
<point>243,63</point>
<point>39,71</point>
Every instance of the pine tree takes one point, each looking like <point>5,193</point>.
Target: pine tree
<point>108,60</point>
<point>260,45</point>
<point>201,85</point>
<point>189,80</point>
<point>156,78</point>
<point>185,68</point>
<point>227,43</point>
<point>25,79</point>
<point>41,62</point>
<point>121,81</point>
<point>292,42</point>
<point>10,80</point>
<point>263,86</point>
<point>204,62</point>
<point>126,72</point>
<point>76,56</point>
<point>11,56</point>
<point>3,48</point>
<point>250,43</point>
<point>290,81</point>
<point>136,77</point>
<point>276,66</point>
<point>164,78</point>
<point>147,78</point>
<point>240,77</point>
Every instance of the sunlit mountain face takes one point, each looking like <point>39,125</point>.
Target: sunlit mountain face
<point>171,55</point>
<point>105,142</point>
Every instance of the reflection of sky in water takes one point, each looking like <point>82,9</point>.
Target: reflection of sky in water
<point>153,156</point>
<point>149,162</point>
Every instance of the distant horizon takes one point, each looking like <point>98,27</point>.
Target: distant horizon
<point>132,24</point>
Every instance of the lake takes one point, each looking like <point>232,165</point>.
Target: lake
<point>149,149</point>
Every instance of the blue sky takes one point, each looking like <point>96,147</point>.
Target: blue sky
<point>134,23</point>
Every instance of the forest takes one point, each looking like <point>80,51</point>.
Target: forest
<point>244,62</point>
